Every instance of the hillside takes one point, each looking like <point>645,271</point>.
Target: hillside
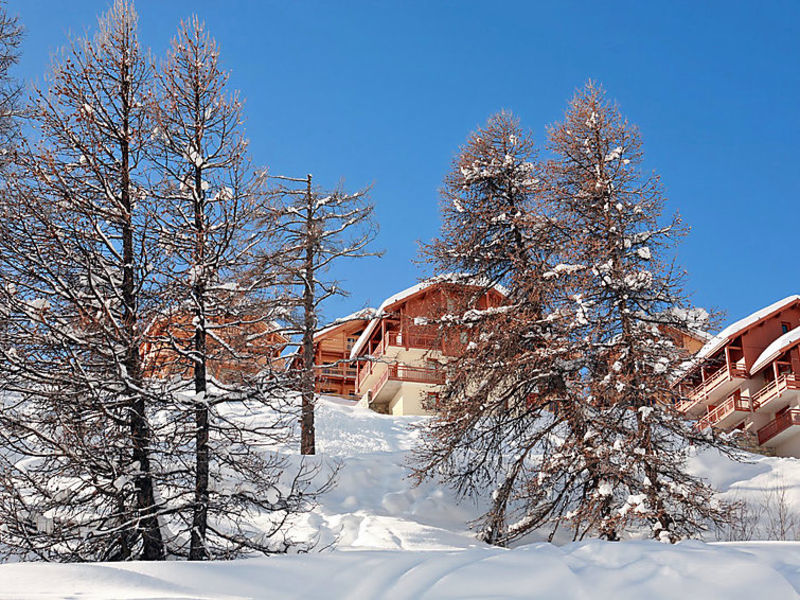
<point>393,540</point>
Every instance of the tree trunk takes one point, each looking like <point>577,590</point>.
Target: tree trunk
<point>152,542</point>
<point>197,550</point>
<point>307,383</point>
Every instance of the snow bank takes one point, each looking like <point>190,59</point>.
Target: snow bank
<point>628,570</point>
<point>394,540</point>
<point>374,504</point>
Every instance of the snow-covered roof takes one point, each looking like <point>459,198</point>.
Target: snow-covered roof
<point>360,315</point>
<point>731,331</point>
<point>701,334</point>
<point>381,311</point>
<point>775,349</point>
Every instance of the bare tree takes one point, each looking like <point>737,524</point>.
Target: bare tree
<point>10,90</point>
<point>220,329</point>
<point>315,229</point>
<point>74,256</point>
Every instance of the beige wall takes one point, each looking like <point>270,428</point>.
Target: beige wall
<point>409,398</point>
<point>791,447</point>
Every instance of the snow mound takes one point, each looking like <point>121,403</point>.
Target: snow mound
<point>623,571</point>
<point>374,504</point>
<point>393,540</point>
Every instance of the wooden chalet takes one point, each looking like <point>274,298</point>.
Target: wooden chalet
<point>748,377</point>
<point>399,355</point>
<point>239,346</point>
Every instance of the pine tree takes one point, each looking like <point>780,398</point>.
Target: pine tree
<point>221,317</point>
<point>315,229</point>
<point>494,427</point>
<point>561,406</point>
<point>75,264</point>
<point>635,444</point>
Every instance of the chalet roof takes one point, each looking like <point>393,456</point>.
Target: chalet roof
<point>775,349</point>
<point>360,315</point>
<point>733,330</point>
<point>700,334</point>
<point>407,293</point>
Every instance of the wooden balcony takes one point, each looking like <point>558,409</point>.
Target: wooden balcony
<point>341,370</point>
<point>394,375</point>
<point>726,414</point>
<point>413,339</point>
<point>776,431</point>
<point>721,382</point>
<point>777,394</point>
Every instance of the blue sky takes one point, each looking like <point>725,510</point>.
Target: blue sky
<point>383,93</point>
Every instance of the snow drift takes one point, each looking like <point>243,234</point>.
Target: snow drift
<point>392,540</point>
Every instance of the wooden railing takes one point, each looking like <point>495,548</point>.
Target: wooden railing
<point>364,371</point>
<point>717,378</point>
<point>379,384</point>
<point>416,374</point>
<point>787,381</point>
<point>781,423</point>
<point>734,403</point>
<point>413,339</point>
<point>341,370</point>
<point>411,374</point>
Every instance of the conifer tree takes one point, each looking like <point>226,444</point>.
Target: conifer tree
<point>221,316</point>
<point>75,265</point>
<point>314,229</point>
<point>561,408</point>
<point>635,445</point>
<point>494,431</point>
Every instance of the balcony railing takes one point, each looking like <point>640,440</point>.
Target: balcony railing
<point>411,374</point>
<point>416,374</point>
<point>734,403</point>
<point>787,381</point>
<point>379,384</point>
<point>341,370</point>
<point>716,379</point>
<point>413,339</point>
<point>781,423</point>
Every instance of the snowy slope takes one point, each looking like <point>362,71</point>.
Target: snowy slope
<point>374,504</point>
<point>583,571</point>
<point>393,540</point>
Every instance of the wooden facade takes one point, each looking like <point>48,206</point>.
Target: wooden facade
<point>748,378</point>
<point>246,347</point>
<point>335,372</point>
<point>399,355</point>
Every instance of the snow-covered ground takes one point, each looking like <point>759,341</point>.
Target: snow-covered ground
<point>394,540</point>
<point>590,570</point>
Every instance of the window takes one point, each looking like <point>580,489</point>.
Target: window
<point>785,327</point>
<point>351,341</point>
